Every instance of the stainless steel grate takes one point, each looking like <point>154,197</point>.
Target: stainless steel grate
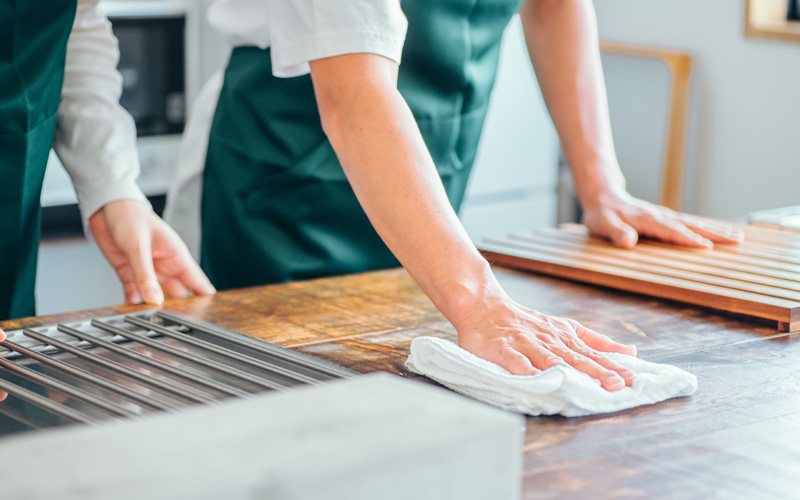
<point>127,366</point>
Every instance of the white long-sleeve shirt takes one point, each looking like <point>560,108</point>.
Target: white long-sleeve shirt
<point>95,137</point>
<point>296,31</point>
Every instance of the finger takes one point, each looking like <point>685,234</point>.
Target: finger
<point>131,294</point>
<point>194,278</point>
<point>517,363</point>
<point>141,261</point>
<point>610,380</point>
<point>176,289</point>
<point>600,342</point>
<point>617,231</point>
<point>3,395</point>
<point>671,231</point>
<point>501,354</point>
<point>576,345</point>
<point>717,233</point>
<point>2,335</point>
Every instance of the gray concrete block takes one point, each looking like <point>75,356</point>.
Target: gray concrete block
<point>372,437</point>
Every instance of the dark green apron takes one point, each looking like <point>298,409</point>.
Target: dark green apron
<point>33,45</point>
<point>276,203</point>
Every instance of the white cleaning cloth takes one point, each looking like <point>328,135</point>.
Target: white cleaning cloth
<point>560,390</point>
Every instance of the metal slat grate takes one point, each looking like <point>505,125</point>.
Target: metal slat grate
<point>129,365</point>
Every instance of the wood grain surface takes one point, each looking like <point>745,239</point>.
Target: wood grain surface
<point>759,278</point>
<point>737,437</point>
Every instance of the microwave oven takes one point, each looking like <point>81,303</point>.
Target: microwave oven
<point>159,62</point>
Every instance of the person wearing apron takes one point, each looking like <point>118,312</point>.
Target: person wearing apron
<point>77,114</point>
<point>278,205</point>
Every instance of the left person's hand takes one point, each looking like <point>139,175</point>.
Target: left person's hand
<point>621,218</point>
<point>144,251</point>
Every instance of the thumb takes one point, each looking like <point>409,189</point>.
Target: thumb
<point>141,260</point>
<point>621,234</point>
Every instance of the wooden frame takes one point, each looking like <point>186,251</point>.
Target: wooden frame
<point>765,26</point>
<point>680,67</point>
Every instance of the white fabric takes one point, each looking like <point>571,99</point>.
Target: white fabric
<point>182,211</point>
<point>297,31</point>
<point>95,137</point>
<point>560,390</point>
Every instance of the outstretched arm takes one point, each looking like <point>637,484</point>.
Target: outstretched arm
<point>96,141</point>
<point>562,42</point>
<point>384,156</point>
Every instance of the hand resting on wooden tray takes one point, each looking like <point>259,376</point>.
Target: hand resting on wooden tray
<point>621,218</point>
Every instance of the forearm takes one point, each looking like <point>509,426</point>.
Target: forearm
<point>387,163</point>
<point>562,42</point>
<point>95,137</point>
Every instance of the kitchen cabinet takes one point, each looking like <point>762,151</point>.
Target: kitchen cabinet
<point>73,275</point>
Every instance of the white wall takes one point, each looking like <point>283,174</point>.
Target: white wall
<point>513,183</point>
<point>744,151</point>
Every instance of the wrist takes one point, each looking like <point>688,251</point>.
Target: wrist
<point>598,186</point>
<point>471,294</point>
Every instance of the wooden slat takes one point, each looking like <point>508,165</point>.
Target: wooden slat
<point>787,289</point>
<point>753,279</point>
<point>765,244</point>
<point>708,259</point>
<point>719,253</point>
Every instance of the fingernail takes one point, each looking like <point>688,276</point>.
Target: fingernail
<point>706,243</point>
<point>628,376</point>
<point>735,234</point>
<point>626,240</point>
<point>615,383</point>
<point>153,296</point>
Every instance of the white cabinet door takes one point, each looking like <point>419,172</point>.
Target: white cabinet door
<point>73,275</point>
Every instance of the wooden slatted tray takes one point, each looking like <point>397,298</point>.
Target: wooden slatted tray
<point>760,278</point>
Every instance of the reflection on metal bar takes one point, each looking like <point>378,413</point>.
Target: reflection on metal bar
<point>44,403</point>
<point>88,377</point>
<point>21,415</point>
<point>212,365</point>
<point>208,346</point>
<point>314,364</point>
<point>66,389</point>
<point>140,377</point>
<point>160,365</point>
<point>173,361</point>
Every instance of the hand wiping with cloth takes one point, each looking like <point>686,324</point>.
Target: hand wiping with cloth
<point>558,390</point>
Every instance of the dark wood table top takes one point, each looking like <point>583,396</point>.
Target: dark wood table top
<point>737,437</point>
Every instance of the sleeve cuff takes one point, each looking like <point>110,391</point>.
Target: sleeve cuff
<point>90,203</point>
<point>292,60</point>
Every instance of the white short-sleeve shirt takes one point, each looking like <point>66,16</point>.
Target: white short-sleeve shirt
<point>296,31</point>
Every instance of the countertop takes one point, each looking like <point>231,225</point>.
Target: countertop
<point>737,437</point>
